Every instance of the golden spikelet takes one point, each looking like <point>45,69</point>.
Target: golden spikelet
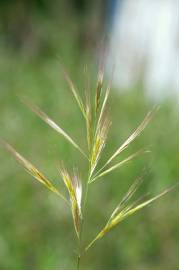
<point>133,136</point>
<point>99,89</point>
<point>100,81</point>
<point>120,213</point>
<point>99,142</point>
<point>52,124</point>
<point>102,172</point>
<point>74,188</point>
<point>104,103</point>
<point>89,122</point>
<point>74,92</point>
<point>31,169</point>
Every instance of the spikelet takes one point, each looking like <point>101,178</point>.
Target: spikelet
<point>74,188</point>
<point>102,172</point>
<point>74,92</point>
<point>99,143</point>
<point>99,88</point>
<point>31,169</point>
<point>133,188</point>
<point>104,103</point>
<point>89,122</point>
<point>52,124</point>
<point>102,124</point>
<point>121,213</point>
<point>133,136</point>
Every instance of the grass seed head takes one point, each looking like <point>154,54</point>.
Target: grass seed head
<point>97,126</point>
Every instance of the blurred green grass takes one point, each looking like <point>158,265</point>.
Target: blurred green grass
<point>35,227</point>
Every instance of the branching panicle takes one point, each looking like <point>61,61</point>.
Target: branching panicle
<point>97,126</point>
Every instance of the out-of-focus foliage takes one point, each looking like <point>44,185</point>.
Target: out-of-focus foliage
<point>30,25</point>
<point>35,228</point>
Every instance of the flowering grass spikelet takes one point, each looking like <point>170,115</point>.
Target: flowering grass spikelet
<point>74,188</point>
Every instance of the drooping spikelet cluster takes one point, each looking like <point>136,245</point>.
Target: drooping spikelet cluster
<point>74,188</point>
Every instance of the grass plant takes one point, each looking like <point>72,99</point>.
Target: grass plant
<point>93,107</point>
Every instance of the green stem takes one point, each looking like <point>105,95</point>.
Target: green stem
<point>82,223</point>
<point>78,262</point>
<point>80,252</point>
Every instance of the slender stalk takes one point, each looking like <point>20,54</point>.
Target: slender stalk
<point>83,220</point>
<point>79,251</point>
<point>78,262</point>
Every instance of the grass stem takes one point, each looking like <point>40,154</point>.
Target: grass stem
<point>78,262</point>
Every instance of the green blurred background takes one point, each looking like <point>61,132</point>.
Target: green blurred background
<point>36,231</point>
